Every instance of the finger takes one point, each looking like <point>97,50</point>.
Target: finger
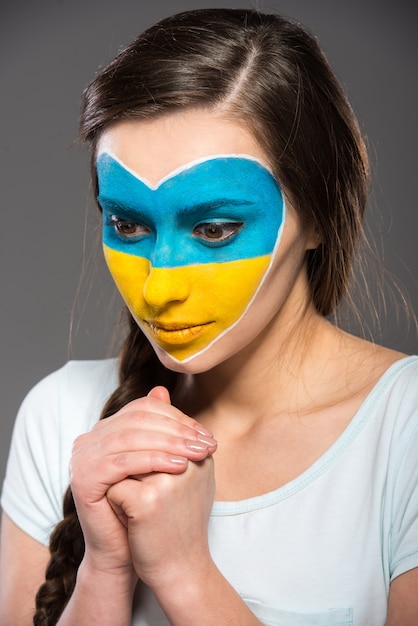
<point>160,393</point>
<point>92,482</point>
<point>132,440</point>
<point>148,433</point>
<point>119,496</point>
<point>154,406</point>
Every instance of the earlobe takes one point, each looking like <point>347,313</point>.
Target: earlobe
<point>313,239</point>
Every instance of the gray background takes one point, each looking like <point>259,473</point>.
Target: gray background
<point>51,266</point>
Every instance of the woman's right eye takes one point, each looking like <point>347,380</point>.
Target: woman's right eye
<point>128,228</point>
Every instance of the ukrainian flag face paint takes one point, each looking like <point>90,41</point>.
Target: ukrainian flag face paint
<point>189,254</point>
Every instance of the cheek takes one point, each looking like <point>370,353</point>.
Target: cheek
<point>216,292</point>
<point>129,273</point>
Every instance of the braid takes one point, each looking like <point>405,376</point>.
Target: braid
<point>67,548</point>
<point>139,371</point>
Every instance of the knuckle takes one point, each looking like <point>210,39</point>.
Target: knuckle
<point>140,418</point>
<point>139,404</point>
<point>133,414</point>
<point>78,443</point>
<point>121,460</point>
<point>124,439</point>
<point>152,498</point>
<point>76,477</point>
<point>157,461</point>
<point>146,403</point>
<point>173,443</point>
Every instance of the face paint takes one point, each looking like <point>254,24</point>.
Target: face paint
<point>190,253</point>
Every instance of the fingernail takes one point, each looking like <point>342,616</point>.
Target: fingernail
<point>210,441</point>
<point>196,446</point>
<point>203,431</point>
<point>178,460</point>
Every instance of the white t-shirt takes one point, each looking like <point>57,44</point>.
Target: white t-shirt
<point>320,551</point>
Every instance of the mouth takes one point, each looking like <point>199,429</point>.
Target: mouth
<point>176,334</point>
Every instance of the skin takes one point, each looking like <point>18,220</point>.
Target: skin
<point>212,227</point>
<point>155,164</point>
<point>144,480</point>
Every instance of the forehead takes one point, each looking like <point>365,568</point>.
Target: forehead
<point>152,149</point>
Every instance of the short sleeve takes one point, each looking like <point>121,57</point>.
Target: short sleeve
<point>32,491</point>
<point>404,487</point>
<point>63,405</point>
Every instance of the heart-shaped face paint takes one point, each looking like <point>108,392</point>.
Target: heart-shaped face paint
<point>189,254</point>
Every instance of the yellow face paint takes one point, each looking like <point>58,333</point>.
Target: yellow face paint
<point>215,297</point>
<point>189,255</point>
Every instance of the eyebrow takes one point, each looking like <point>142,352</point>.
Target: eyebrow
<point>210,205</point>
<point>184,209</point>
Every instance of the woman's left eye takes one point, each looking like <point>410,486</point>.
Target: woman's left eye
<point>217,231</point>
<point>128,228</point>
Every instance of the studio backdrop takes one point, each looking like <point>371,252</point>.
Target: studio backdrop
<point>57,300</point>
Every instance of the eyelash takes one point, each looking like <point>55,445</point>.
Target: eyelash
<point>119,223</point>
<point>209,232</point>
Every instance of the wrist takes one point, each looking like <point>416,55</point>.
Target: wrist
<point>177,570</point>
<point>207,589</point>
<point>184,584</point>
<point>100,597</point>
<point>121,580</point>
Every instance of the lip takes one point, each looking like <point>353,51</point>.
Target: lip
<point>176,334</point>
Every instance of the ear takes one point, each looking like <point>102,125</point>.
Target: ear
<point>313,238</point>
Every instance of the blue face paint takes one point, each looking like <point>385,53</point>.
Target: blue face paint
<point>236,191</point>
<point>189,254</point>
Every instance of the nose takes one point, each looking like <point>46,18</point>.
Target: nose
<point>165,286</point>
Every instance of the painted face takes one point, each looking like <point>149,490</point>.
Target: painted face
<point>189,254</point>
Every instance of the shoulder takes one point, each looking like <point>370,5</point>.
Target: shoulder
<point>392,405</point>
<point>70,398</point>
<point>60,407</point>
<point>397,412</point>
<point>398,386</point>
<point>78,374</point>
<point>378,375</point>
<point>83,377</point>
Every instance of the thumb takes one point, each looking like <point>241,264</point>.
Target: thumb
<point>160,393</point>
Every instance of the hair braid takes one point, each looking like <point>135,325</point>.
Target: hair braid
<point>67,549</point>
<point>139,371</point>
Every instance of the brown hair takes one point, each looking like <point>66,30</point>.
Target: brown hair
<point>271,74</point>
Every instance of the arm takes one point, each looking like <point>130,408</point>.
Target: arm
<point>147,436</point>
<point>206,599</point>
<point>403,600</point>
<point>100,598</point>
<point>166,520</point>
<point>166,517</point>
<point>22,570</point>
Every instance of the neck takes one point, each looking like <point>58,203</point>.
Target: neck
<point>258,380</point>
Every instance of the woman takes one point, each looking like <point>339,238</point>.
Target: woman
<point>256,464</point>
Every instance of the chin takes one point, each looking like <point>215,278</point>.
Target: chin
<point>219,351</point>
<point>196,364</point>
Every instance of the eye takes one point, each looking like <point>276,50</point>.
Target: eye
<point>128,228</point>
<point>217,232</point>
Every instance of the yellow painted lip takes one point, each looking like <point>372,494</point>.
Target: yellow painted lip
<point>176,334</point>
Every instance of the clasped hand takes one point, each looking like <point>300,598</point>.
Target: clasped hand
<point>143,484</point>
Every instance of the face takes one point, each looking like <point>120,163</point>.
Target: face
<point>192,222</point>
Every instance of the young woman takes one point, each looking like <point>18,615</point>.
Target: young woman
<point>257,465</point>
